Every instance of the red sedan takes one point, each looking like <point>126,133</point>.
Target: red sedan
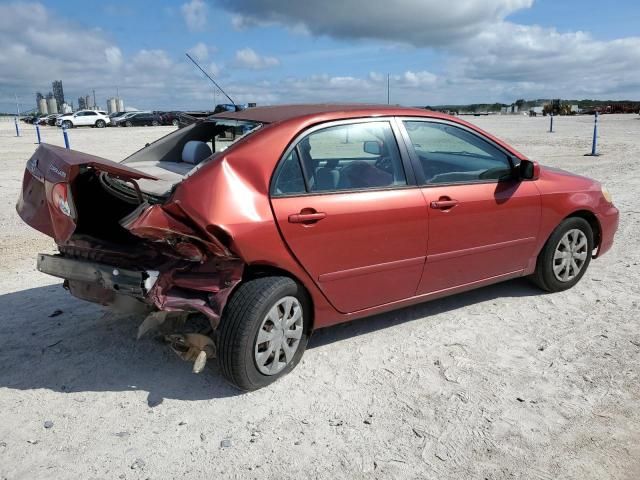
<point>271,222</point>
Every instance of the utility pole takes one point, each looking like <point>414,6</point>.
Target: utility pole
<point>94,99</point>
<point>388,89</point>
<point>17,115</point>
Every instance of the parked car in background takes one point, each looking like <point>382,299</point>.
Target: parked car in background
<point>51,120</point>
<point>140,119</point>
<point>84,118</point>
<point>313,215</point>
<point>170,118</point>
<point>115,120</point>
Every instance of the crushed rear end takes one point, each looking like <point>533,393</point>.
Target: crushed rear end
<point>122,247</point>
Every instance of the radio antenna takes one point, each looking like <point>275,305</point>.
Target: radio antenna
<point>209,77</point>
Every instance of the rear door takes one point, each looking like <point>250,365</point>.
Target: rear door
<point>346,203</point>
<point>483,221</point>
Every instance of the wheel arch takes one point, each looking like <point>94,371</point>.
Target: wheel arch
<point>257,270</point>
<point>593,221</point>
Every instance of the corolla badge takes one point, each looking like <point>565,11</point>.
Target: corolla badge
<point>56,170</point>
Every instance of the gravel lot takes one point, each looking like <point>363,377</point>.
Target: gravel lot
<point>500,383</point>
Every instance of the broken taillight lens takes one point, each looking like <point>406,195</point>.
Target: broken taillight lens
<point>61,198</point>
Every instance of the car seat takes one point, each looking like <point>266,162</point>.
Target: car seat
<point>195,151</point>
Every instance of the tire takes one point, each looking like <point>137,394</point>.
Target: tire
<point>128,124</point>
<point>101,124</point>
<point>175,122</point>
<point>247,315</point>
<point>67,124</point>
<point>552,255</point>
<point>155,123</point>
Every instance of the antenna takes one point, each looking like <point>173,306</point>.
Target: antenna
<point>209,77</point>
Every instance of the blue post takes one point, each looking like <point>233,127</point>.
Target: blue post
<point>594,145</point>
<point>17,128</point>
<point>66,137</point>
<point>551,125</point>
<point>38,133</point>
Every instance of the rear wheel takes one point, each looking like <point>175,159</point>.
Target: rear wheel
<point>128,124</point>
<point>101,124</point>
<point>175,122</point>
<point>155,123</point>
<point>565,257</point>
<point>263,332</point>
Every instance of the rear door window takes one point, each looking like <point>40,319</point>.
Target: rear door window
<point>353,156</point>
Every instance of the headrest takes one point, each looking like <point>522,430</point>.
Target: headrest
<point>195,151</point>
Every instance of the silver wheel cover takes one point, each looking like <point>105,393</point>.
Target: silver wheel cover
<point>570,255</point>
<point>279,336</point>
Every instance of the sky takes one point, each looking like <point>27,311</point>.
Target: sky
<point>282,51</point>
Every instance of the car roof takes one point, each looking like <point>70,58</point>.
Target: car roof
<point>280,113</point>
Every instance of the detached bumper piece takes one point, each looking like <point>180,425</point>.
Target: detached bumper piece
<point>126,282</point>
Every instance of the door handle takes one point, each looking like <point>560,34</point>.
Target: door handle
<point>308,218</point>
<point>444,204</point>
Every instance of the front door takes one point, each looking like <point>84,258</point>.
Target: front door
<point>483,221</point>
<point>351,217</point>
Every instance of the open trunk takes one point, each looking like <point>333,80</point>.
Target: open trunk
<point>121,246</point>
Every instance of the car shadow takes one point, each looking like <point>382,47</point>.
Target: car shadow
<point>51,340</point>
<point>513,288</point>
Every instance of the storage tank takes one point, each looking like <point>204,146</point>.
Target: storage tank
<point>112,106</point>
<point>42,106</point>
<point>87,102</point>
<point>53,105</point>
<point>120,105</point>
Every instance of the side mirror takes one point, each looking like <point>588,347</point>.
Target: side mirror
<point>529,170</point>
<point>372,147</point>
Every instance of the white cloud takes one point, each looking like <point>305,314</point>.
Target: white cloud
<point>113,56</point>
<point>200,51</point>
<point>248,58</point>
<point>195,15</point>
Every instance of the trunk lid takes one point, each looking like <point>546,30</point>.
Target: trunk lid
<point>46,202</point>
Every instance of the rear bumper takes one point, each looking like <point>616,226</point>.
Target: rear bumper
<point>107,278</point>
<point>609,225</point>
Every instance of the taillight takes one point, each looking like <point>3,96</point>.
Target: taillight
<point>61,198</point>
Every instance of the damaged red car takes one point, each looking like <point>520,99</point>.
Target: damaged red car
<point>271,222</point>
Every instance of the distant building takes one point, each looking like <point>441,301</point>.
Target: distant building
<point>58,92</point>
<point>52,105</point>
<point>42,106</point>
<point>66,108</point>
<point>81,103</point>
<point>112,105</point>
<point>120,107</point>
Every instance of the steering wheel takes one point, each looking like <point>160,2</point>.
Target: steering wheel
<point>385,164</point>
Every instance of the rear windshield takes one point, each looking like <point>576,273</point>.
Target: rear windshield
<point>218,134</point>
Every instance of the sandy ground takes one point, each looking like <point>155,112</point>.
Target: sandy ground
<point>500,383</point>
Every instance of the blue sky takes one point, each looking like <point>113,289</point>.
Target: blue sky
<point>278,51</point>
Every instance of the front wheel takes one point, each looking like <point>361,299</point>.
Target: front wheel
<point>565,257</point>
<point>263,332</point>
<point>154,123</point>
<point>128,124</point>
<point>67,124</point>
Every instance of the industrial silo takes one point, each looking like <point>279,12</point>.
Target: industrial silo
<point>87,102</point>
<point>42,106</point>
<point>112,106</point>
<point>120,105</point>
<point>53,105</point>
